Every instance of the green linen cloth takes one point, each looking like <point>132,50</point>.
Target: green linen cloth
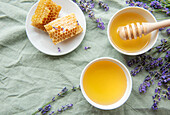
<point>29,78</point>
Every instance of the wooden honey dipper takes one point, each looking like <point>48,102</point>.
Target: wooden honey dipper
<point>133,31</point>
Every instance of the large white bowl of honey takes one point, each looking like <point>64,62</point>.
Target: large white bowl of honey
<point>106,83</point>
<point>127,16</point>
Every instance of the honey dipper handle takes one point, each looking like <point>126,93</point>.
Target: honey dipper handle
<point>149,27</point>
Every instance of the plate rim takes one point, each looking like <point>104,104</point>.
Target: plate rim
<point>61,53</point>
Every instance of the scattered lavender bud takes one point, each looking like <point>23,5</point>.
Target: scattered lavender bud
<point>55,28</point>
<point>63,29</point>
<point>59,50</point>
<point>77,22</point>
<point>86,48</point>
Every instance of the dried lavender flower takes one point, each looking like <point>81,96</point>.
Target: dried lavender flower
<point>168,31</point>
<point>139,4</point>
<point>156,4</point>
<point>55,28</point>
<point>63,29</point>
<point>87,7</point>
<point>137,69</point>
<point>51,113</point>
<point>63,91</point>
<point>156,98</point>
<point>59,50</point>
<point>64,108</point>
<point>46,109</point>
<point>87,47</point>
<point>161,66</point>
<point>103,5</point>
<point>100,23</point>
<point>153,5</point>
<point>53,99</point>
<point>160,29</point>
<point>74,88</point>
<point>145,6</point>
<point>147,83</point>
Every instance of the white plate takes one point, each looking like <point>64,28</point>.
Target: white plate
<point>41,39</point>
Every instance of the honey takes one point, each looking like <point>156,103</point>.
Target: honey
<point>104,82</point>
<point>63,28</point>
<point>129,46</point>
<point>46,12</point>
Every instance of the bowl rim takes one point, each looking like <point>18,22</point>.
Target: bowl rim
<point>124,97</point>
<point>140,51</point>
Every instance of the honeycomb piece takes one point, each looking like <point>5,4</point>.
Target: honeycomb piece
<point>63,28</point>
<point>46,12</point>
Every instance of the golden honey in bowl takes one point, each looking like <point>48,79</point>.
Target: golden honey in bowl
<point>128,45</point>
<point>104,82</point>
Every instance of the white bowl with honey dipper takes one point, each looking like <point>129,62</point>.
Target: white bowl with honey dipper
<point>128,42</point>
<point>55,27</point>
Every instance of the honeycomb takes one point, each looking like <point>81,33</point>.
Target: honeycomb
<point>63,28</point>
<point>46,12</point>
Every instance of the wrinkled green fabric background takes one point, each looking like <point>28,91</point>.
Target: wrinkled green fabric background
<point>29,78</point>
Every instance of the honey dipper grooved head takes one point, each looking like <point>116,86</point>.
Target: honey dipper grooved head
<point>121,33</point>
<point>131,31</point>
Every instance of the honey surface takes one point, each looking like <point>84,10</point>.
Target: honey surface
<point>128,45</point>
<point>104,82</point>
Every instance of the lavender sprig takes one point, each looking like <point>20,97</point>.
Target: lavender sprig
<point>152,6</point>
<point>87,7</point>
<point>148,62</point>
<point>161,66</point>
<point>46,108</point>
